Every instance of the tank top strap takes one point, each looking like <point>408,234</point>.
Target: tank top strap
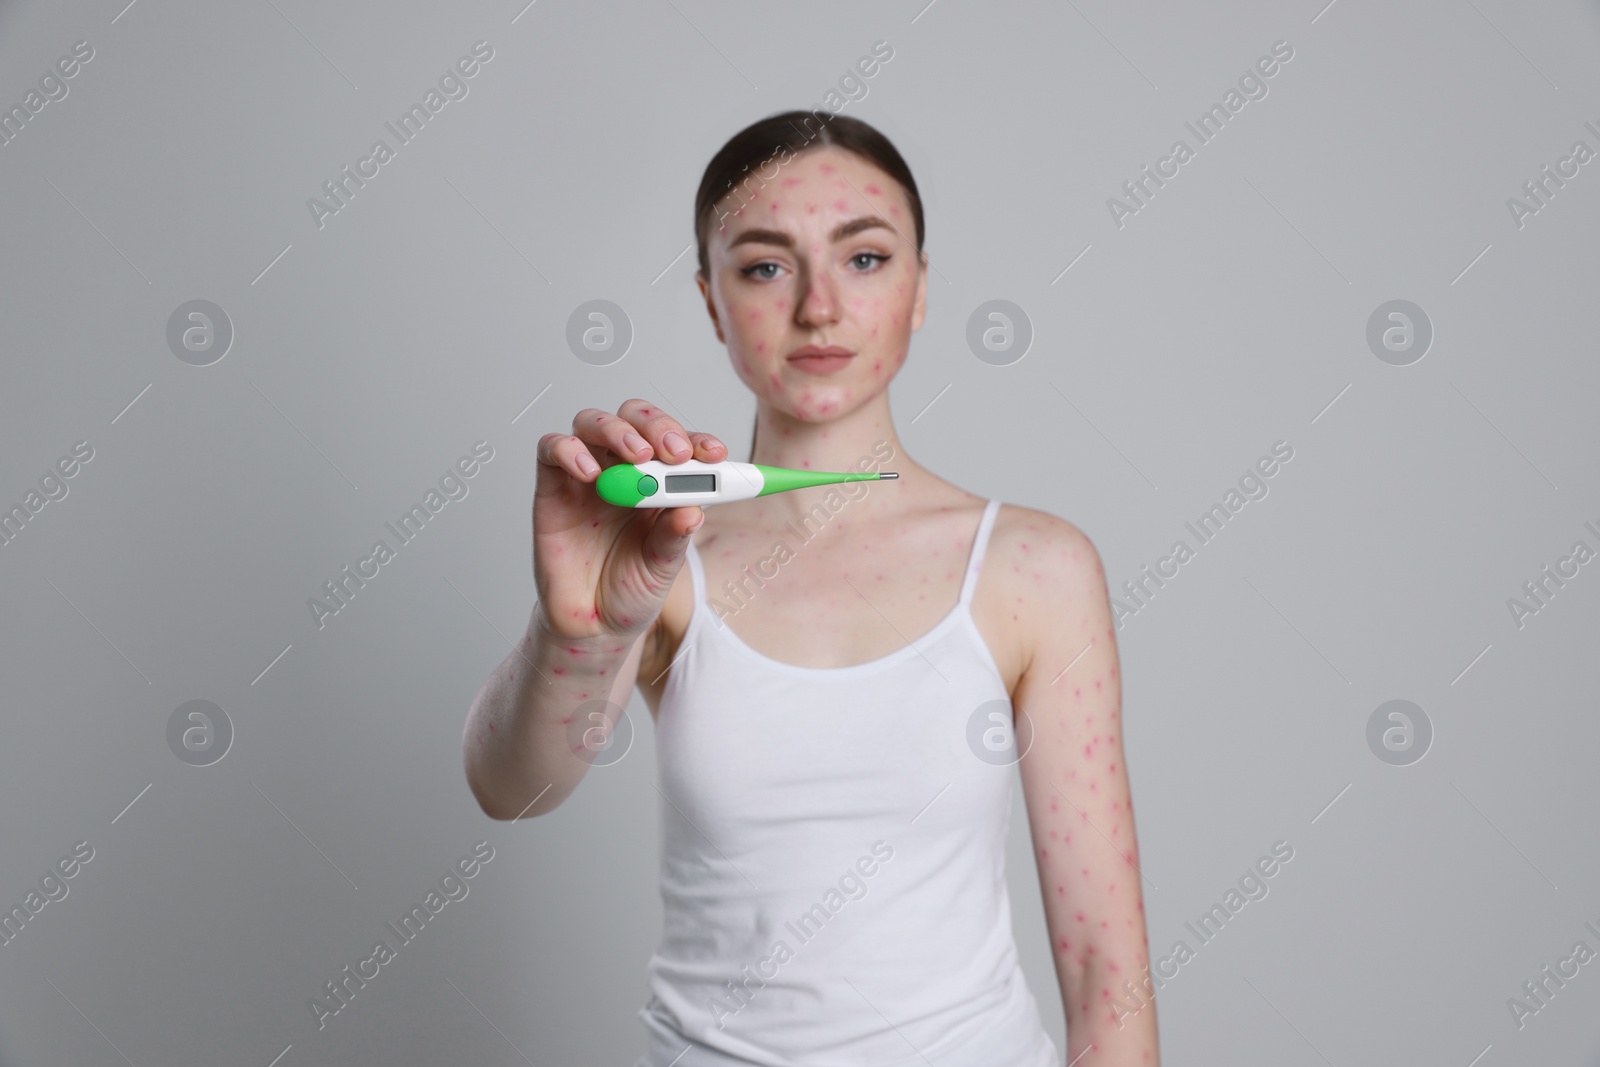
<point>697,575</point>
<point>980,544</point>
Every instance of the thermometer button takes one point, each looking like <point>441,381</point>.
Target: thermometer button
<point>647,486</point>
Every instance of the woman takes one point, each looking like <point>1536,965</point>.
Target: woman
<point>836,794</point>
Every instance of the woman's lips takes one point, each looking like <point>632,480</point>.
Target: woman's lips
<point>813,359</point>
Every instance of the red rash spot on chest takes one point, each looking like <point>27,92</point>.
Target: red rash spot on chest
<point>826,168</point>
<point>790,183</point>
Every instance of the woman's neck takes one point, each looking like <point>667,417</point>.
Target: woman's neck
<point>863,440</point>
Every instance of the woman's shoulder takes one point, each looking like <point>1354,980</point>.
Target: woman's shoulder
<point>1042,554</point>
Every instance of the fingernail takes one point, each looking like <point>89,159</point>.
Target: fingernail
<point>674,443</point>
<point>587,464</point>
<point>635,442</point>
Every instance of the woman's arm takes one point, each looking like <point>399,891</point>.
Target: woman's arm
<point>1080,810</point>
<point>523,751</point>
<point>602,574</point>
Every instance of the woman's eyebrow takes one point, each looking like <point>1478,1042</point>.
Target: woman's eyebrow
<point>840,232</point>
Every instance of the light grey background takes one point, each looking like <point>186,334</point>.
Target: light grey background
<point>1228,314</point>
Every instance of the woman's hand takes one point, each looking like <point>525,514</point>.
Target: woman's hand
<point>599,569</point>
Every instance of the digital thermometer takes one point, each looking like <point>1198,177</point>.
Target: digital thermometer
<point>655,484</point>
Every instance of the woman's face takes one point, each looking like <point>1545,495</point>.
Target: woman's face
<point>822,257</point>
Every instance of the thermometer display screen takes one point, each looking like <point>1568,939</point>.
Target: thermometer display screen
<point>691,483</point>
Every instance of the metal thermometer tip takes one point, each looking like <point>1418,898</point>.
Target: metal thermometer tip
<point>887,474</point>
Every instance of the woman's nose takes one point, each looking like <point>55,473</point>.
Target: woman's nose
<point>817,305</point>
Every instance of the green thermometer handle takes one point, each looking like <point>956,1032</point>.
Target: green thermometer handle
<point>655,484</point>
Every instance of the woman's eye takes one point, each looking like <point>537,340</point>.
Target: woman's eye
<point>755,269</point>
<point>871,257</point>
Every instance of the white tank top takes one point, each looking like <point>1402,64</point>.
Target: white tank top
<point>833,857</point>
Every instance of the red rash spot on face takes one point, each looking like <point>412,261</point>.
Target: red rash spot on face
<point>873,190</point>
<point>761,346</point>
<point>840,205</point>
<point>894,211</point>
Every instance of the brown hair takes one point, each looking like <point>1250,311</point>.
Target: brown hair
<point>777,139</point>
